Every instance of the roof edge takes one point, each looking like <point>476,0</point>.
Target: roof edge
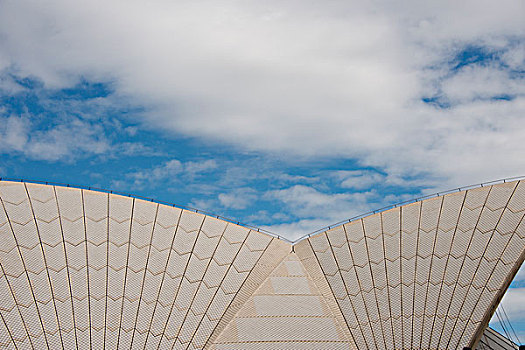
<point>170,204</point>
<point>414,200</point>
<point>261,230</point>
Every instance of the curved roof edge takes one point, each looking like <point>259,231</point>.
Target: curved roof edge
<point>125,194</point>
<point>414,200</point>
<point>258,229</point>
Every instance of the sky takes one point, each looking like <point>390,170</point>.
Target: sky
<point>287,115</point>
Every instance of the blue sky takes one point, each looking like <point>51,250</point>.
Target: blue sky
<point>285,115</point>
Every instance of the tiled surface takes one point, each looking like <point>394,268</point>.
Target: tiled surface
<point>426,274</point>
<point>492,340</point>
<point>288,312</point>
<point>84,269</point>
<point>91,270</point>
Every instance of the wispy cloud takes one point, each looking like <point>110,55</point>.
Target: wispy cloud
<point>193,168</point>
<point>168,172</point>
<point>306,201</point>
<point>307,209</point>
<point>423,95</point>
<point>59,142</point>
<point>63,124</point>
<point>289,79</point>
<point>358,179</point>
<point>239,198</point>
<point>14,133</point>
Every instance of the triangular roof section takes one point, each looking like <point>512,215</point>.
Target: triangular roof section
<point>286,312</point>
<point>80,267</point>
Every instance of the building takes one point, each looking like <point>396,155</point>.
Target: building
<point>91,269</point>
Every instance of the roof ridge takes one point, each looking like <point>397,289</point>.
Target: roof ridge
<point>261,230</point>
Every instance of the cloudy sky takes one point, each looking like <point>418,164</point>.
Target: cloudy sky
<point>288,115</point>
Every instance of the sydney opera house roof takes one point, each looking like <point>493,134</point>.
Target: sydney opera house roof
<point>84,269</point>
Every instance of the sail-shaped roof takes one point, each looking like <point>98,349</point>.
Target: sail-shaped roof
<point>90,269</point>
<point>427,275</point>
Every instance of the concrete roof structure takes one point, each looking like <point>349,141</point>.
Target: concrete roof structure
<point>89,269</point>
<point>492,340</point>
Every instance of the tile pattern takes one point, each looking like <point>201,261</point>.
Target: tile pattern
<point>427,275</point>
<point>84,269</point>
<point>287,311</point>
<point>492,340</point>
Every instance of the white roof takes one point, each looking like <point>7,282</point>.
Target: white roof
<point>82,268</point>
<point>428,274</point>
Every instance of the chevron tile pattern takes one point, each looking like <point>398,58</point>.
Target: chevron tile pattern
<point>427,275</point>
<point>286,312</point>
<point>82,269</point>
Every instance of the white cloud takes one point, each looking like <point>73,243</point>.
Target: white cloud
<point>298,78</point>
<point>358,179</point>
<point>308,209</point>
<point>481,82</point>
<point>296,229</point>
<point>306,201</point>
<point>195,168</point>
<point>239,198</point>
<point>13,133</point>
<point>60,141</point>
<point>204,204</point>
<point>168,172</point>
<point>159,173</point>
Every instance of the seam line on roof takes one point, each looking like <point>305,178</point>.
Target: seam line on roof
<point>461,268</point>
<point>126,272</point>
<point>432,255</point>
<point>17,307</point>
<point>10,340</point>
<point>201,281</point>
<point>175,231</point>
<point>258,229</point>
<point>374,289</point>
<point>414,289</point>
<point>44,260</point>
<point>87,266</point>
<point>465,324</point>
<point>177,293</point>
<point>144,275</point>
<point>28,282</point>
<point>386,280</point>
<point>107,272</point>
<point>401,323</point>
<point>344,284</point>
<point>67,266</point>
